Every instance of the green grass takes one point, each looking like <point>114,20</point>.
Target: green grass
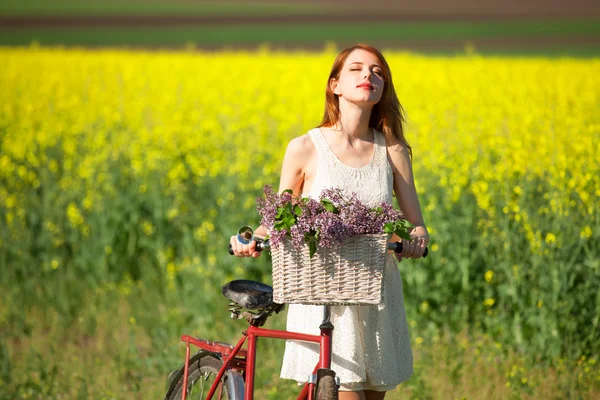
<point>298,34</point>
<point>124,346</point>
<point>104,322</point>
<point>153,7</point>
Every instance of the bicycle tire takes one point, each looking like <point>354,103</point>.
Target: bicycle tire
<point>327,389</point>
<point>207,366</point>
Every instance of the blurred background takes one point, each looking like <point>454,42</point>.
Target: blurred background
<point>432,26</point>
<point>136,135</point>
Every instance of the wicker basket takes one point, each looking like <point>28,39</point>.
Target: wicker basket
<point>350,274</point>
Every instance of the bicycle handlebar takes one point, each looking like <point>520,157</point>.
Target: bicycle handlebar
<point>265,245</point>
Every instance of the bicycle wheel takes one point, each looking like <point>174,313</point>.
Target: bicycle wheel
<point>327,389</point>
<point>202,371</point>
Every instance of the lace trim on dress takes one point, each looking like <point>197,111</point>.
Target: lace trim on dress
<point>372,182</point>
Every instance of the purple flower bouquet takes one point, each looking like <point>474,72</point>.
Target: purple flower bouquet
<point>326,222</point>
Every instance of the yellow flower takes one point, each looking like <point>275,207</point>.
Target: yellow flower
<point>489,302</point>
<point>10,202</point>
<point>88,202</point>
<point>172,213</point>
<point>550,238</point>
<point>74,215</point>
<point>515,270</point>
<point>489,275</point>
<point>586,232</point>
<point>148,228</point>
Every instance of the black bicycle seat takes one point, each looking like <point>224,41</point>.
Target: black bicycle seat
<point>248,294</point>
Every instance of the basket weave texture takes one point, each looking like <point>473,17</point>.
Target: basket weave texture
<point>349,274</point>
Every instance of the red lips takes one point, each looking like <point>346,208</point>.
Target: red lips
<point>366,86</point>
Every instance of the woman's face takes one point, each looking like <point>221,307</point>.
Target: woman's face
<point>361,78</point>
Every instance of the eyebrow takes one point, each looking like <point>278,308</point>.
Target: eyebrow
<point>358,62</point>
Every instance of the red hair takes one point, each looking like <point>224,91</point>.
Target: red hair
<point>387,116</point>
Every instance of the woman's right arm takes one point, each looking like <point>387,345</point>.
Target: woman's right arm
<point>298,152</point>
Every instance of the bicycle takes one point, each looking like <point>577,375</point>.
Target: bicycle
<point>230,368</point>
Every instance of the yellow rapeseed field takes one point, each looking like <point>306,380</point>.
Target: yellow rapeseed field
<point>478,125</point>
<point>114,163</point>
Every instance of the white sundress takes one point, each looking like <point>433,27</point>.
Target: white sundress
<point>371,344</point>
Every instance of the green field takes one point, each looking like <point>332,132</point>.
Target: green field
<point>420,35</point>
<point>210,25</point>
<point>123,175</point>
<point>155,7</point>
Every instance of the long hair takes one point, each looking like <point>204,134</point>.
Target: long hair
<point>387,116</point>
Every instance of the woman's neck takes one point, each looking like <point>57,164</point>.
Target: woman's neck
<point>354,121</point>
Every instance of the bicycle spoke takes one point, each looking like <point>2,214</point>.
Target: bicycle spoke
<point>206,376</point>
<point>202,375</point>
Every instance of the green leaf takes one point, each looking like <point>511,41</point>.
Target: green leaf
<point>288,208</point>
<point>298,210</point>
<point>329,206</point>
<point>403,233</point>
<point>290,191</point>
<point>289,220</point>
<point>279,225</point>
<point>389,227</point>
<point>401,230</point>
<point>312,248</point>
<point>279,212</point>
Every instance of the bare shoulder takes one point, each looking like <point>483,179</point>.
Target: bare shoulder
<point>300,146</point>
<point>300,154</point>
<point>298,163</point>
<point>300,151</point>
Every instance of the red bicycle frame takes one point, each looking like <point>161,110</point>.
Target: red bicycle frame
<point>244,360</point>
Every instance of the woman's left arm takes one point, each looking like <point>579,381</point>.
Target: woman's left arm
<point>406,194</point>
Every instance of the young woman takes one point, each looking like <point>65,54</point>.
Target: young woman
<point>359,146</point>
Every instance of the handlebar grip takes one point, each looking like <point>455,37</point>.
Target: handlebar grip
<point>398,249</point>
<point>261,244</point>
<point>258,248</point>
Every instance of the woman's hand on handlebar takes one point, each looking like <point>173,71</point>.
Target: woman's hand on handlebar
<point>416,247</point>
<point>243,250</point>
